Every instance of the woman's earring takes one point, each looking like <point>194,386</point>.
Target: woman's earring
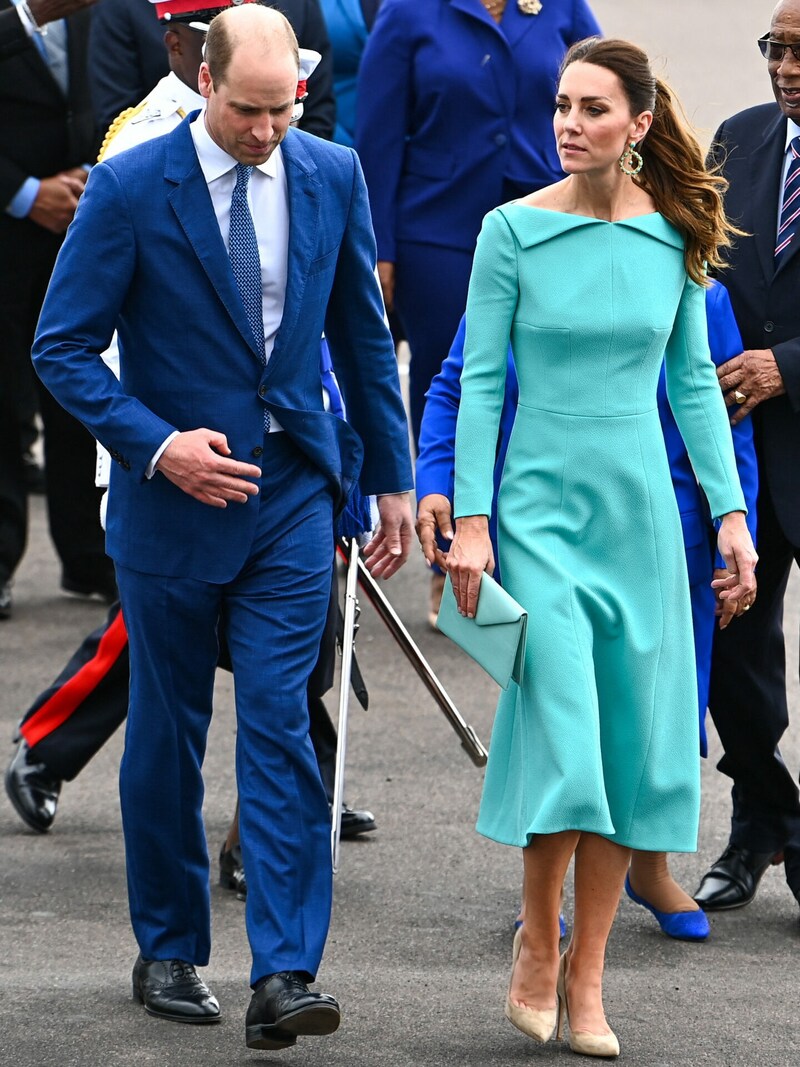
<point>631,162</point>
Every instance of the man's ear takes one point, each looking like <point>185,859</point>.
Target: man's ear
<point>173,42</point>
<point>204,82</point>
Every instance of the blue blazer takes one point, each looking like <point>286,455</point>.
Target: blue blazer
<point>435,465</point>
<point>144,255</point>
<point>451,105</point>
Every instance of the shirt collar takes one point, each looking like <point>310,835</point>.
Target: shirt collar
<point>792,131</point>
<point>214,161</point>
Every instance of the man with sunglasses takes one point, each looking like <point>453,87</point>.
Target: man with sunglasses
<point>759,153</point>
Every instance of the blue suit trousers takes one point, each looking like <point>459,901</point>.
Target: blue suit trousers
<point>272,614</point>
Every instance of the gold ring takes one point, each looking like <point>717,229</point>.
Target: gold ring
<point>739,396</point>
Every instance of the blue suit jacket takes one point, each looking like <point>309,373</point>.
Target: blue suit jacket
<point>450,105</point>
<point>144,254</point>
<point>435,465</point>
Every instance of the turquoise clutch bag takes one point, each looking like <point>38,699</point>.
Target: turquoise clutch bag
<point>495,638</point>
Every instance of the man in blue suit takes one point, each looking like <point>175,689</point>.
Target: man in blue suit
<point>202,536</point>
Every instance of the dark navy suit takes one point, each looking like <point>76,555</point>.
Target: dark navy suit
<point>454,116</point>
<point>435,468</point>
<point>748,684</point>
<point>143,255</point>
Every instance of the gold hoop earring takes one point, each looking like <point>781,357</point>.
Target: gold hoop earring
<point>631,162</point>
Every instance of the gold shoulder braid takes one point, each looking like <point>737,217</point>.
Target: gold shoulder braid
<point>120,121</point>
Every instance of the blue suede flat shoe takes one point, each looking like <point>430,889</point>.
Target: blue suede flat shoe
<point>682,925</point>
<point>562,926</point>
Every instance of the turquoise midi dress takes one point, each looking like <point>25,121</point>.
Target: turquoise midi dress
<point>601,736</point>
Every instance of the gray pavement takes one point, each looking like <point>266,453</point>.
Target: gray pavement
<point>419,950</point>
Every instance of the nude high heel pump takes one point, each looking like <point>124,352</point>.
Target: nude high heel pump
<point>531,1021</point>
<point>582,1042</point>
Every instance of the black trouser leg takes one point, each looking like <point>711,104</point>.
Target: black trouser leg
<point>74,717</point>
<point>747,700</point>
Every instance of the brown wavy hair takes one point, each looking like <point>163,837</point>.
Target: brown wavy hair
<point>685,191</point>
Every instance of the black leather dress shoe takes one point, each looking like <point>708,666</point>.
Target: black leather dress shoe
<point>283,1008</point>
<point>732,881</point>
<point>357,822</point>
<point>32,789</point>
<point>231,870</point>
<point>171,989</point>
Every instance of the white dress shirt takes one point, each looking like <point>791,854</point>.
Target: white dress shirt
<point>268,198</point>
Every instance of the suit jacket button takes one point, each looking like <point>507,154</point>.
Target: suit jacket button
<point>257,451</point>
<point>769,326</point>
<point>262,392</point>
<point>500,139</point>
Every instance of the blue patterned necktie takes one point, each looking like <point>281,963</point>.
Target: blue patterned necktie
<point>790,212</point>
<point>243,252</point>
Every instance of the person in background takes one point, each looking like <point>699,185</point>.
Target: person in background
<point>758,152</point>
<point>453,110</point>
<point>47,141</point>
<point>596,281</point>
<point>349,22</point>
<point>649,882</point>
<point>126,57</point>
<point>17,23</point>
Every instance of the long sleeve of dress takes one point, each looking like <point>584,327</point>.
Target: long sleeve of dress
<point>696,401</point>
<point>491,303</point>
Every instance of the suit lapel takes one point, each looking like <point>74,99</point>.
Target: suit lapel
<point>191,202</point>
<point>766,164</point>
<point>304,207</point>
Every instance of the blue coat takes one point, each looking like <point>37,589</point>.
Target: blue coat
<point>451,105</point>
<point>435,465</point>
<point>145,255</point>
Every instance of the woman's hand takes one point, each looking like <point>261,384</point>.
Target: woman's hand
<point>470,555</point>
<point>736,548</point>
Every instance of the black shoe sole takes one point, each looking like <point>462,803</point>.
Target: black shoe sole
<point>723,907</point>
<point>305,1022</point>
<point>367,828</point>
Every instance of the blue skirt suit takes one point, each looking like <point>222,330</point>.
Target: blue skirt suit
<point>602,734</point>
<point>454,116</point>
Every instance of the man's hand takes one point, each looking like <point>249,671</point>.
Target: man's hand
<point>434,514</point>
<point>57,200</point>
<point>45,11</point>
<point>388,550</point>
<point>755,375</point>
<point>386,278</point>
<point>725,610</point>
<point>196,461</point>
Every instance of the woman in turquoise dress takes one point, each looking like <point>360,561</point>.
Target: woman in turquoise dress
<point>595,281</point>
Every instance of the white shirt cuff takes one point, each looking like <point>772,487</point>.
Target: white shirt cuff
<point>150,469</point>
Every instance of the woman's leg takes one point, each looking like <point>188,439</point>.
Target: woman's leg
<point>546,859</point>
<point>651,879</point>
<point>600,867</point>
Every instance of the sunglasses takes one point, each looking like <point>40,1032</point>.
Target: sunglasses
<point>774,51</point>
